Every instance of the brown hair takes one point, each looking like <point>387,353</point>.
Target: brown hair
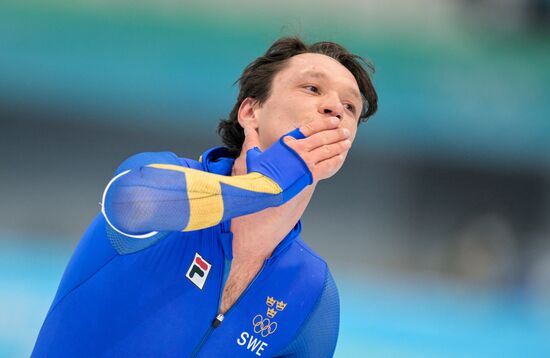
<point>257,77</point>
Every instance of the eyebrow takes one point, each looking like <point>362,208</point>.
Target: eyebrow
<point>318,74</point>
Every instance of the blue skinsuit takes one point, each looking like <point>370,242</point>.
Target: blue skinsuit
<point>125,296</point>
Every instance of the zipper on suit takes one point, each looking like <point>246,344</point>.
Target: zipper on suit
<point>217,321</point>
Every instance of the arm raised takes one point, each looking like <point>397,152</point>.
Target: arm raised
<point>168,196</point>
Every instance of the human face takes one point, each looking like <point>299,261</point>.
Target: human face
<point>308,87</point>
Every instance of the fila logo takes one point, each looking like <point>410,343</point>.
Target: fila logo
<point>198,271</point>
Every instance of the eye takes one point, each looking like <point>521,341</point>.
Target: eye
<point>350,107</point>
<point>312,88</point>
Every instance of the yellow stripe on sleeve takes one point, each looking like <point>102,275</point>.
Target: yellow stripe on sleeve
<point>205,195</point>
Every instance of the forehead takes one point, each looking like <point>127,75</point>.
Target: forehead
<point>313,64</point>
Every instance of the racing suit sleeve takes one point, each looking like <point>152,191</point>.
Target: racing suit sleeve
<point>319,334</point>
<point>168,195</point>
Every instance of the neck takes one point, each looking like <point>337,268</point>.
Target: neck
<point>256,235</point>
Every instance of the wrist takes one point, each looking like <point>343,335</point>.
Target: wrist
<point>282,164</point>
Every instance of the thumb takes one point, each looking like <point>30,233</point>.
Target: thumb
<point>251,138</point>
<point>251,145</point>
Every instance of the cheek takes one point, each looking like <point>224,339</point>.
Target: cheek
<point>273,127</point>
<point>291,112</point>
<point>352,127</point>
<point>270,132</point>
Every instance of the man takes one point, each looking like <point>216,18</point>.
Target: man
<point>202,258</point>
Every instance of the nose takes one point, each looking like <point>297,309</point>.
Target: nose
<point>331,106</point>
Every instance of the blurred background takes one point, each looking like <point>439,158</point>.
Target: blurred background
<point>437,227</point>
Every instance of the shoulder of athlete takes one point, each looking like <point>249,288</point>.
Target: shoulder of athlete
<point>145,158</point>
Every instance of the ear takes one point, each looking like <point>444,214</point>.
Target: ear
<point>247,113</point>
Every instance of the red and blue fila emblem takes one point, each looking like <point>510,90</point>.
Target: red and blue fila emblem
<point>198,271</point>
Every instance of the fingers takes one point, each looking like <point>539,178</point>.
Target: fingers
<point>325,137</point>
<point>329,150</point>
<point>324,147</point>
<point>322,124</point>
<point>321,145</point>
<point>329,166</point>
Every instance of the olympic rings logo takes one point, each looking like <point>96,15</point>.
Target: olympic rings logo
<point>263,325</point>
